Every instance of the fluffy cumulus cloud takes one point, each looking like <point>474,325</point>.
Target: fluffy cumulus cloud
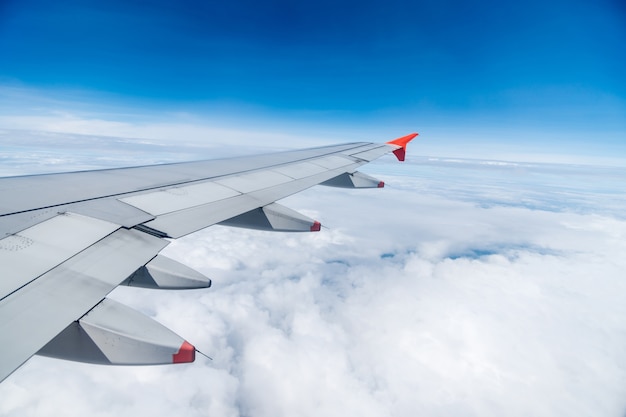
<point>464,288</point>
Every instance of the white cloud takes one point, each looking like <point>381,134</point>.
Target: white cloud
<point>452,292</point>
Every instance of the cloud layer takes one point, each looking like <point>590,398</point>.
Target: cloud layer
<point>482,290</point>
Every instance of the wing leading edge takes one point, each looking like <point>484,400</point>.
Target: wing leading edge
<point>71,238</point>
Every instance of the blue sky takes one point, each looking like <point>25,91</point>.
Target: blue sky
<point>464,287</point>
<point>537,75</point>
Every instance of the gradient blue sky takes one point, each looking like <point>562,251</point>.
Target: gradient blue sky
<point>543,75</point>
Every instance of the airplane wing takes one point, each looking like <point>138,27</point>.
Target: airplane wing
<point>69,239</point>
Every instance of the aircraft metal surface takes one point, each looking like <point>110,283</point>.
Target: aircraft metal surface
<point>68,239</point>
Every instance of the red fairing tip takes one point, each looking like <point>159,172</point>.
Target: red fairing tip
<point>317,226</point>
<point>186,354</point>
<point>381,184</point>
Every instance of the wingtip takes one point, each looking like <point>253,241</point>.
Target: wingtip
<point>400,153</point>
<point>316,226</point>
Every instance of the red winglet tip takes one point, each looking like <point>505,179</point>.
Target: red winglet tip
<point>400,153</point>
<point>316,227</point>
<point>186,353</point>
<point>381,184</point>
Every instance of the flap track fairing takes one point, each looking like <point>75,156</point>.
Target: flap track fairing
<point>354,180</point>
<point>274,217</point>
<point>114,334</point>
<point>167,274</point>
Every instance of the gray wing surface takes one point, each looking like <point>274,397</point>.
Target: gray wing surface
<point>69,239</point>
